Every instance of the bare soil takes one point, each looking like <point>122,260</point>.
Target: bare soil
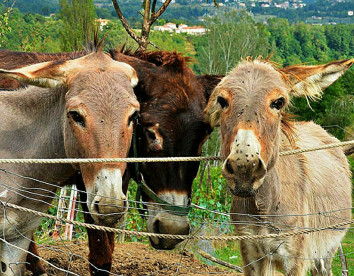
<point>131,259</point>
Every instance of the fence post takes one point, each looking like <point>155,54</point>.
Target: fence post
<point>71,213</point>
<point>343,261</point>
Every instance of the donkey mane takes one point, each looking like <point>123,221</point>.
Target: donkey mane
<point>173,60</point>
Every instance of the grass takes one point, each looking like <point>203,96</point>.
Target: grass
<point>230,252</point>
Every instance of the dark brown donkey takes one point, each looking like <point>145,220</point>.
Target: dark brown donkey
<point>84,110</point>
<point>279,194</point>
<point>172,101</point>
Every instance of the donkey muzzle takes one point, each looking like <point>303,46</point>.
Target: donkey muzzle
<point>244,165</point>
<point>109,203</point>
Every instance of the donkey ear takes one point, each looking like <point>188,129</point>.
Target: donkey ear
<point>212,112</point>
<point>309,81</point>
<point>45,74</point>
<point>209,82</point>
<point>129,71</point>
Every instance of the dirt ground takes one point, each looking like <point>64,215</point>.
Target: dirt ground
<point>130,259</point>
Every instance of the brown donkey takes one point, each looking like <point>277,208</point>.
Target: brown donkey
<point>249,104</point>
<point>85,110</point>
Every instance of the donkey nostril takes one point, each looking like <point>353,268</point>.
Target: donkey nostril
<point>96,206</point>
<point>229,167</point>
<point>3,267</point>
<point>155,227</point>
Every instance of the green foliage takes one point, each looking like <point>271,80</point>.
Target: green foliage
<point>4,21</point>
<point>210,192</point>
<point>230,37</point>
<point>32,32</point>
<point>134,220</point>
<point>78,23</point>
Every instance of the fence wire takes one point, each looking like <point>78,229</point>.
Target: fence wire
<point>199,235</point>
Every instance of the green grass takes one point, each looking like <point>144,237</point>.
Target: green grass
<point>224,251</point>
<point>348,248</point>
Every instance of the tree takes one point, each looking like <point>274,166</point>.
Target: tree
<point>78,17</point>
<point>150,16</point>
<point>4,21</point>
<point>230,37</point>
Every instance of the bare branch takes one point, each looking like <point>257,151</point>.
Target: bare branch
<point>125,22</point>
<point>153,44</point>
<point>161,10</point>
<point>147,12</point>
<point>153,8</point>
<point>215,260</point>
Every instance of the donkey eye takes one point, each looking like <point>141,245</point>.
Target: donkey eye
<point>278,103</point>
<point>77,118</point>
<point>223,103</point>
<point>133,118</point>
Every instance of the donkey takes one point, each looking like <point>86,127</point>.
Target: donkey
<point>249,105</point>
<point>85,109</point>
<point>172,101</point>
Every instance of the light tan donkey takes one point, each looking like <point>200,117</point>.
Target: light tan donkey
<point>309,190</point>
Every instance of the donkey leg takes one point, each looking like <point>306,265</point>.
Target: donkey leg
<point>101,244</point>
<point>299,269</point>
<point>250,254</point>
<point>33,263</point>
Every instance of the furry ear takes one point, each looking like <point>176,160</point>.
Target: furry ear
<point>309,81</point>
<point>212,112</point>
<point>55,73</point>
<point>129,71</point>
<point>209,82</point>
<point>45,74</point>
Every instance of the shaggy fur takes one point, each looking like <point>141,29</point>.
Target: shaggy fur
<point>244,102</point>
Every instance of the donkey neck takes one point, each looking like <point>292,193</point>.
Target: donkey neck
<point>32,127</point>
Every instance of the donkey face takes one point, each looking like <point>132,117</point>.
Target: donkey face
<point>249,106</point>
<point>98,122</point>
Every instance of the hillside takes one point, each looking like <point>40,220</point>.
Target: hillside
<point>193,11</point>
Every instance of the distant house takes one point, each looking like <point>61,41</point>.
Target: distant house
<point>168,27</point>
<point>182,28</point>
<point>285,5</point>
<point>193,30</point>
<point>102,22</point>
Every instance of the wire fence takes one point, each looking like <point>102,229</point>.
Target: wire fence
<point>70,257</point>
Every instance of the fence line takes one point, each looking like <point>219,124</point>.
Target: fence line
<point>280,232</point>
<point>337,226</point>
<point>158,159</point>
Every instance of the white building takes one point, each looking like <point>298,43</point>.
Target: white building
<point>182,28</point>
<point>102,22</point>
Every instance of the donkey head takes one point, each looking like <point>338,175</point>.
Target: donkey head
<point>249,105</point>
<point>98,118</point>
